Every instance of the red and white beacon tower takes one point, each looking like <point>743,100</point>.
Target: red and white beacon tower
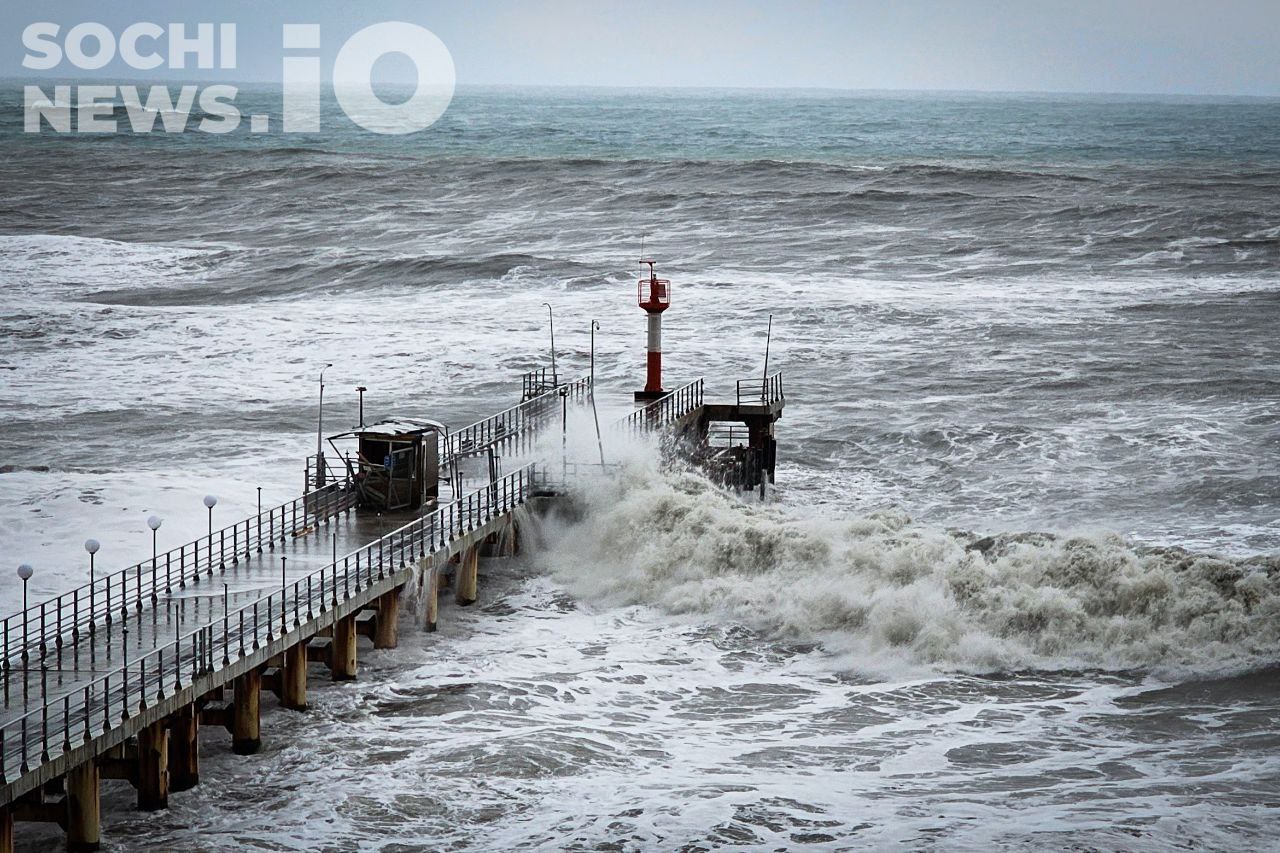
<point>654,296</point>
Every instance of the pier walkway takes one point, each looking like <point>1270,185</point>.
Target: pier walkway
<point>115,678</point>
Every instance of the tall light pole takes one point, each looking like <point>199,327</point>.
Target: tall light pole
<point>595,324</point>
<point>768,339</point>
<point>92,546</point>
<point>360,389</point>
<point>154,523</point>
<point>555,377</point>
<point>320,431</point>
<point>210,501</point>
<point>24,571</point>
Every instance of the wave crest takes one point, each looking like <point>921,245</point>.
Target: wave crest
<point>881,588</point>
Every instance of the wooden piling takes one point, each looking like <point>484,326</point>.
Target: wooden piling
<point>6,830</point>
<point>465,583</point>
<point>342,657</point>
<point>184,749</point>
<point>293,687</point>
<point>432,592</point>
<point>246,732</point>
<point>84,823</point>
<point>153,767</point>
<point>386,634</point>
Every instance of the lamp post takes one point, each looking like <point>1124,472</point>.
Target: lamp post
<point>24,571</point>
<point>555,377</point>
<point>320,431</point>
<point>92,546</point>
<point>764,382</point>
<point>360,389</point>
<point>595,324</point>
<point>210,501</point>
<point>154,523</point>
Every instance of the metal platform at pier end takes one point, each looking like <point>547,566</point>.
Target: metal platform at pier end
<point>114,679</point>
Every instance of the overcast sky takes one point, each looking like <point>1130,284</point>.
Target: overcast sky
<point>1227,47</point>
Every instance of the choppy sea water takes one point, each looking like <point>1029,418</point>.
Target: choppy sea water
<point>1018,584</point>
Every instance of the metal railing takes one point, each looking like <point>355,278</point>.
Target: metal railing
<point>727,435</point>
<point>77,715</point>
<point>55,621</point>
<point>663,412</point>
<point>515,428</point>
<point>337,468</point>
<point>767,390</point>
<point>535,383</point>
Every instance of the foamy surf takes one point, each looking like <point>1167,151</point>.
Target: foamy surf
<point>879,590</point>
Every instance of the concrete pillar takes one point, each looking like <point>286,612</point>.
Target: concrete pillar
<point>465,584</point>
<point>385,636</point>
<point>293,686</point>
<point>84,825</point>
<point>507,547</point>
<point>184,749</point>
<point>153,767</point>
<point>431,589</point>
<point>246,732</point>
<point>342,660</point>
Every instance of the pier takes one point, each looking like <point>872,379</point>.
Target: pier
<point>115,679</point>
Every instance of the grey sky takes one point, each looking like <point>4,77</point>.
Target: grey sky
<point>1146,46</point>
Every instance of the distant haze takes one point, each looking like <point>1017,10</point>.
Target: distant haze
<point>1228,47</point>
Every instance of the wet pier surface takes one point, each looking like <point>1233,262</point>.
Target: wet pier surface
<point>143,624</point>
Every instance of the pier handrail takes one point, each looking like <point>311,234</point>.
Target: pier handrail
<point>767,390</point>
<point>54,621</point>
<point>57,725</point>
<point>510,425</point>
<point>664,411</point>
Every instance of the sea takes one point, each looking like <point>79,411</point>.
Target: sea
<point>1017,585</point>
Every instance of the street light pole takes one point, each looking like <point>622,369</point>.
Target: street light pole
<point>555,377</point>
<point>595,324</point>
<point>92,546</point>
<point>210,501</point>
<point>320,431</point>
<point>154,523</point>
<point>24,571</point>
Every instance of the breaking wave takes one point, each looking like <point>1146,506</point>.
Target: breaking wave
<point>881,589</point>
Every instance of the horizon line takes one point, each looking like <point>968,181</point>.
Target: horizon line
<point>637,87</point>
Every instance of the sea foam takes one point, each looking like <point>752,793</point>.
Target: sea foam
<point>879,589</point>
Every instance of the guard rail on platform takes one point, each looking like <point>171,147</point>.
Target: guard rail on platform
<point>665,411</point>
<point>56,621</point>
<point>515,428</point>
<point>767,390</point>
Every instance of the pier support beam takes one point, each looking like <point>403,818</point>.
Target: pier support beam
<point>465,581</point>
<point>293,686</point>
<point>84,824</point>
<point>153,767</point>
<point>6,830</point>
<point>342,660</point>
<point>184,749</point>
<point>431,590</point>
<point>246,732</point>
<point>508,543</point>
<point>386,634</point>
